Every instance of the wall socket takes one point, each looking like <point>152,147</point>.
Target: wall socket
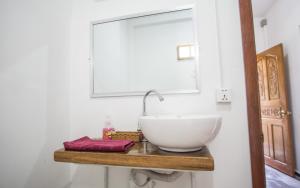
<point>223,95</point>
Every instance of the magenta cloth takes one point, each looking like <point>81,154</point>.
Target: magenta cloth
<point>88,144</point>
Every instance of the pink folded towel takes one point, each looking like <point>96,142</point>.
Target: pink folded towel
<point>88,144</point>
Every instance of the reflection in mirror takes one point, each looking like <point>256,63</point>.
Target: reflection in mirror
<point>135,54</point>
<point>277,38</point>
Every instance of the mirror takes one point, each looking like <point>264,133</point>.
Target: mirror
<point>131,55</point>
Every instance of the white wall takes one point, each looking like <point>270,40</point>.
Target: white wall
<point>283,27</point>
<point>231,147</point>
<point>33,92</point>
<point>260,35</point>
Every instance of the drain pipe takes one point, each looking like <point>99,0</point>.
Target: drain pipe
<point>153,175</point>
<point>193,180</point>
<point>106,172</point>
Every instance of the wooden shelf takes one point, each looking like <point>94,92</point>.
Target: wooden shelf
<point>142,155</point>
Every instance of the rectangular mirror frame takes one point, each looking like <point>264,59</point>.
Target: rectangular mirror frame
<point>141,93</point>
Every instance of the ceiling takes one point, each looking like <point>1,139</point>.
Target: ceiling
<point>261,7</point>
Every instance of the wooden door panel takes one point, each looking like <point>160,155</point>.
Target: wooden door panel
<point>261,70</point>
<point>270,112</point>
<point>278,145</point>
<point>266,138</point>
<point>272,76</point>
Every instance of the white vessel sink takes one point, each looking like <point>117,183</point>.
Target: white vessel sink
<point>178,133</point>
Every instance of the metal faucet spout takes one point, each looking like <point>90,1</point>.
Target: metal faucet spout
<point>160,97</point>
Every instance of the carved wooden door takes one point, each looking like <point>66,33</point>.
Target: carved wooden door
<point>275,115</point>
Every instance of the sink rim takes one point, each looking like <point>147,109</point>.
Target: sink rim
<point>179,116</point>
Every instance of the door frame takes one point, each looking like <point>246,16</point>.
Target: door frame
<point>253,102</point>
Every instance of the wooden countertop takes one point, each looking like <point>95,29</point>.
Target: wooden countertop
<point>142,155</point>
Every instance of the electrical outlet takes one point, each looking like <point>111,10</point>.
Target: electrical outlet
<point>223,95</point>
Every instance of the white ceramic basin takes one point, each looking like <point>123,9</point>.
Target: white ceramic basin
<point>180,133</point>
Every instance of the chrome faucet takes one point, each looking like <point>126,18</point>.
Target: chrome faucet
<point>145,97</point>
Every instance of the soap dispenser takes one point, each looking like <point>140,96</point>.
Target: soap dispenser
<point>108,129</point>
